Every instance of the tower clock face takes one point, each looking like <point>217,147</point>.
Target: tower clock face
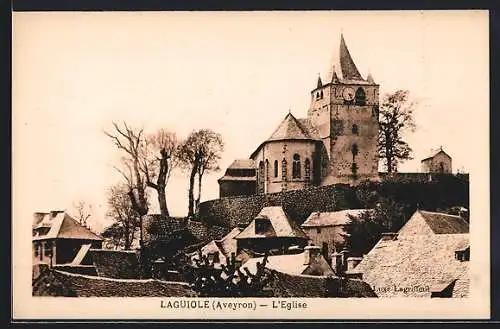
<point>348,94</point>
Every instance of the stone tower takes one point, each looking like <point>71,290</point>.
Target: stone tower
<point>344,110</point>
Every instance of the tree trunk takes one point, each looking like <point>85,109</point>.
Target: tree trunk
<point>191,190</point>
<point>197,204</point>
<point>162,201</point>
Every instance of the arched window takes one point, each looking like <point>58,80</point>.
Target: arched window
<point>260,177</point>
<point>296,166</point>
<point>267,170</point>
<point>275,168</point>
<point>307,167</point>
<point>360,96</point>
<point>355,130</point>
<point>283,169</point>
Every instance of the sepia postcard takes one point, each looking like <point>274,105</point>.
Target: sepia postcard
<point>251,165</point>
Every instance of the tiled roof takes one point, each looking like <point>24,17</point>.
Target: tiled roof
<point>416,262</point>
<point>349,71</point>
<point>281,225</point>
<point>242,164</point>
<point>290,128</point>
<point>238,178</point>
<point>433,153</point>
<point>62,226</point>
<point>331,218</point>
<point>444,223</point>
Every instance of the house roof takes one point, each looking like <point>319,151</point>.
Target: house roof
<point>441,223</point>
<point>242,164</point>
<point>320,219</point>
<point>77,285</point>
<point>418,262</point>
<point>281,225</point>
<point>61,226</point>
<point>434,152</point>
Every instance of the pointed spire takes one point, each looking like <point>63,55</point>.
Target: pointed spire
<point>335,78</point>
<point>347,66</point>
<point>369,78</point>
<point>320,84</point>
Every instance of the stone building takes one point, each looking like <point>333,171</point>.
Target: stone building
<point>59,239</point>
<point>438,161</point>
<point>428,257</point>
<point>327,229</point>
<point>335,143</point>
<point>239,179</point>
<point>270,231</point>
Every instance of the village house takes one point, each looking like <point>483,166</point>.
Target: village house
<point>438,161</point>
<point>335,143</point>
<point>327,229</point>
<point>218,251</point>
<point>428,257</point>
<point>271,231</point>
<point>59,239</point>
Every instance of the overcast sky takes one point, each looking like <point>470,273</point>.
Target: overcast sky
<point>236,73</point>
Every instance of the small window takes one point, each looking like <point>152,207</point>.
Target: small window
<point>283,169</point>
<point>36,250</point>
<point>318,230</point>
<point>307,167</point>
<point>355,129</point>
<point>296,166</point>
<point>275,168</point>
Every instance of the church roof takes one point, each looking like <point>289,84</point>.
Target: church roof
<point>290,128</point>
<point>348,69</point>
<point>434,152</point>
<point>242,164</point>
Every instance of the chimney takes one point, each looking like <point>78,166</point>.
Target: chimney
<point>311,254</point>
<point>352,262</point>
<point>337,262</point>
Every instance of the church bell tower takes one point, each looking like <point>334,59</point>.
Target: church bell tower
<point>344,111</point>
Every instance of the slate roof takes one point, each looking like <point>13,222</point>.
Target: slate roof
<point>61,226</point>
<point>242,164</point>
<point>290,128</point>
<point>441,223</point>
<point>418,262</point>
<point>435,152</point>
<point>348,69</point>
<point>281,225</point>
<point>334,218</point>
<point>77,285</point>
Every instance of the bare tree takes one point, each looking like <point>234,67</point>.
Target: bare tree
<point>126,219</point>
<point>201,153</point>
<point>83,211</point>
<point>395,117</point>
<point>158,157</point>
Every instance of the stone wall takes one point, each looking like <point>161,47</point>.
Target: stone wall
<point>115,264</point>
<point>415,190</point>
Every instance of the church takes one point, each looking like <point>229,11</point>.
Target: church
<point>335,143</point>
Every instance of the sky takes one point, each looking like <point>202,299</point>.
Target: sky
<point>237,73</point>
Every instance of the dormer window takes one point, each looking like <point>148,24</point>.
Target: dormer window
<point>262,225</point>
<point>463,255</point>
